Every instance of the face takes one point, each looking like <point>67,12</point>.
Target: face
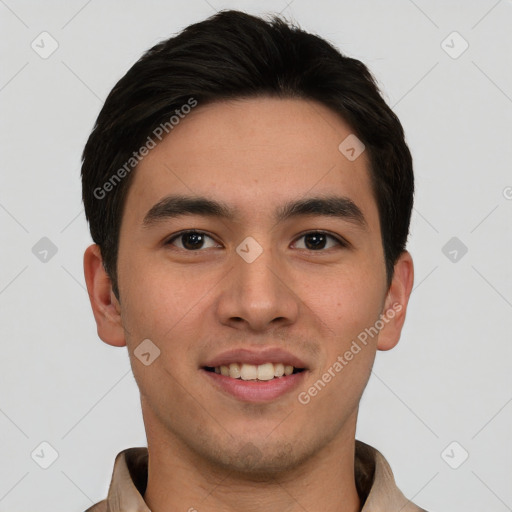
<point>253,282</point>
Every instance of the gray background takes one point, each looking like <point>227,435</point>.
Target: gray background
<point>447,380</point>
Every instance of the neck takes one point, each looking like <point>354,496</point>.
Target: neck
<point>179,479</point>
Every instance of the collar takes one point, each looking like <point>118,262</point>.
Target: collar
<point>374,481</point>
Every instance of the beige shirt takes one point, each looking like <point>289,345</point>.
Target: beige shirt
<point>374,480</point>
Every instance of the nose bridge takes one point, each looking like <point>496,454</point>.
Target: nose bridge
<point>257,293</point>
<point>259,278</point>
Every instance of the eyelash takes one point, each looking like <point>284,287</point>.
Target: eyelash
<point>341,242</point>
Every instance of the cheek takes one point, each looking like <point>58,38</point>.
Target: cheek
<point>347,307</point>
<point>345,303</point>
<point>167,308</point>
<point>155,298</point>
<point>163,309</point>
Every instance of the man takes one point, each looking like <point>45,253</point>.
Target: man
<point>249,195</point>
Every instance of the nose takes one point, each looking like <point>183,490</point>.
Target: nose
<point>258,295</point>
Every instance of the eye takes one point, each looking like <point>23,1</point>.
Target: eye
<point>191,240</point>
<point>318,240</point>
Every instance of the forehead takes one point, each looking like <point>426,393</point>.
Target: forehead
<point>255,155</point>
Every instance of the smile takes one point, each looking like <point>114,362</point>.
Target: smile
<point>262,372</point>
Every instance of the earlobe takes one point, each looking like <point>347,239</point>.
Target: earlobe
<point>105,306</point>
<point>397,298</point>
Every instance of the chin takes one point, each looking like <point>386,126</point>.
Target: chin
<point>260,461</point>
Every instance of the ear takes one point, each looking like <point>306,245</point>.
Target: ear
<point>395,305</point>
<point>105,306</point>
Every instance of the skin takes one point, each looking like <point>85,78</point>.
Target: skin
<point>253,154</point>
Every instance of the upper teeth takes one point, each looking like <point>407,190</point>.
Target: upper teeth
<point>245,371</point>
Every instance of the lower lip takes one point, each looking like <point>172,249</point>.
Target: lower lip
<point>256,391</point>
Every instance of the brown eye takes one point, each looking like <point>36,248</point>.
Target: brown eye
<point>318,240</point>
<point>190,240</point>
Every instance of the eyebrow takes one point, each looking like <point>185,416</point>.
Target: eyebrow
<point>329,206</point>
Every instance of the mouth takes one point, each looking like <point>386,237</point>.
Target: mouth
<point>252,372</point>
<point>255,375</point>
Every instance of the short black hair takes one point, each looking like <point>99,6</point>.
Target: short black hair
<point>234,55</point>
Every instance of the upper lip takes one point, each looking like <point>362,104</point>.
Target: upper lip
<point>256,357</point>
